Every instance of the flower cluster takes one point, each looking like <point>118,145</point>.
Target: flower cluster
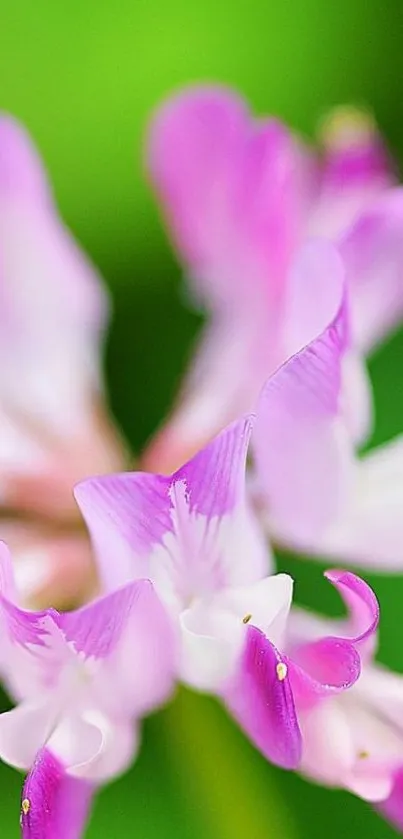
<point>298,258</point>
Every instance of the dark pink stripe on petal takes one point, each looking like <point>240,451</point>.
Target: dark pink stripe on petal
<point>54,804</point>
<point>392,808</point>
<point>261,699</point>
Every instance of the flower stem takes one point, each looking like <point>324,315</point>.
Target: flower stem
<point>230,789</point>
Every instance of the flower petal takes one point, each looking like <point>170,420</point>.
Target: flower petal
<point>194,143</point>
<point>233,196</point>
<point>127,632</point>
<point>260,698</point>
<point>53,803</point>
<point>356,168</point>
<point>119,747</point>
<point>222,178</point>
<point>373,254</point>
<point>302,451</point>
<point>214,628</point>
<point>76,742</point>
<point>24,731</point>
<point>348,746</point>
<point>53,308</point>
<point>323,663</point>
<point>322,668</point>
<point>368,530</point>
<point>392,808</point>
<point>193,528</point>
<point>361,602</point>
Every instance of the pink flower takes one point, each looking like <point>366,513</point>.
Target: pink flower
<point>240,197</point>
<point>193,535</point>
<point>76,678</point>
<point>53,314</point>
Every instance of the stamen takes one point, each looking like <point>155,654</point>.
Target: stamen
<point>246,619</point>
<point>281,671</point>
<point>26,806</point>
<point>363,755</point>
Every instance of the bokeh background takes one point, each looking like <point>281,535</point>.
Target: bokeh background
<point>84,76</point>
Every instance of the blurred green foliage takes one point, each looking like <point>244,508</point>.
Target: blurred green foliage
<point>84,76</point>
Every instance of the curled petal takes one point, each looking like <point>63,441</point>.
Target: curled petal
<point>361,602</point>
<point>53,802</point>
<point>260,698</point>
<point>328,665</point>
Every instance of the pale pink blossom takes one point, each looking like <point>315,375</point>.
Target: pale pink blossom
<point>54,427</point>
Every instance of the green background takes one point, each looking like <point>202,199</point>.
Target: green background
<point>84,76</point>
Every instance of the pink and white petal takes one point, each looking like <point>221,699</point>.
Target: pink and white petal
<point>344,747</point>
<point>194,145</point>
<point>53,803</point>
<point>214,527</point>
<point>76,742</point>
<point>25,730</point>
<point>382,691</point>
<point>196,521</point>
<point>260,698</point>
<point>339,752</point>
<point>370,781</point>
<point>372,250</point>
<point>222,178</point>
<point>45,280</point>
<point>215,477</point>
<point>303,453</point>
<point>127,632</point>
<point>315,297</point>
<point>328,745</point>
<point>214,628</point>
<point>120,745</point>
<point>357,398</point>
<point>126,514</point>
<point>211,642</point>
<point>368,530</point>
<point>264,604</point>
<point>34,631</point>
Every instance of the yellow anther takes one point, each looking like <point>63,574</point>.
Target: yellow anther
<point>346,126</point>
<point>363,755</point>
<point>281,671</point>
<point>246,619</point>
<point>26,806</point>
